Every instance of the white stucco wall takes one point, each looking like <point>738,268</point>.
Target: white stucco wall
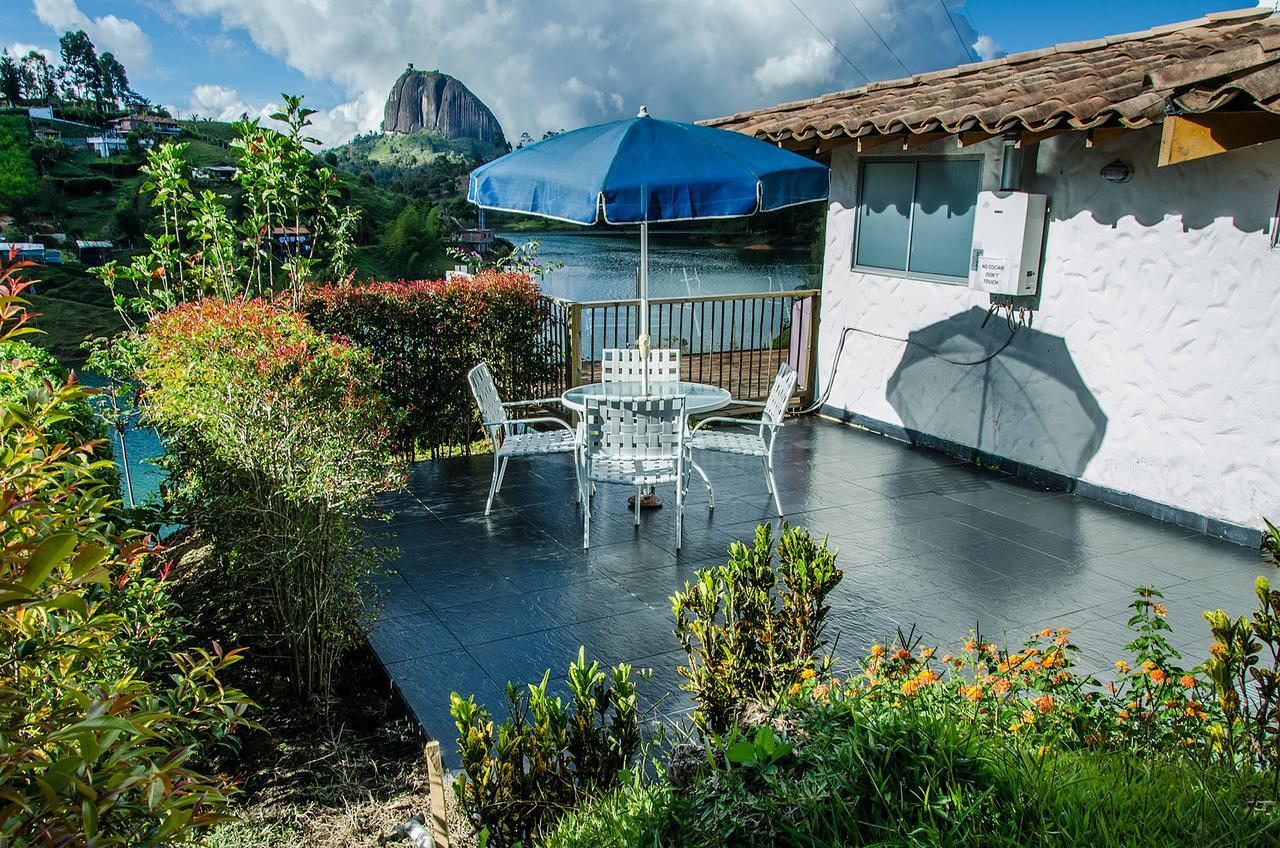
<point>1154,365</point>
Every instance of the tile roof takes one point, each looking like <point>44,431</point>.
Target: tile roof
<point>1231,58</point>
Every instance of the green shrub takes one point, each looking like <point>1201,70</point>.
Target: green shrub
<point>549,756</point>
<point>33,369</point>
<point>276,447</point>
<point>17,172</point>
<point>427,334</point>
<point>752,630</point>
<point>101,715</point>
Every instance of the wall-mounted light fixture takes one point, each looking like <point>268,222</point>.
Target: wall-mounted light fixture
<point>1117,172</point>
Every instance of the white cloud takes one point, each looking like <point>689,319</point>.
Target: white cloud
<point>18,49</point>
<point>543,66</point>
<point>109,33</point>
<point>812,62</point>
<point>986,47</point>
<point>331,126</point>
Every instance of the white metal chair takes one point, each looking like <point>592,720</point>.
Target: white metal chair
<point>638,442</point>
<point>748,443</point>
<point>510,437</point>
<point>619,364</point>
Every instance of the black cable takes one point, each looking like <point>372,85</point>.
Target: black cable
<point>844,334</point>
<point>829,41</point>
<point>968,51</point>
<point>876,32</point>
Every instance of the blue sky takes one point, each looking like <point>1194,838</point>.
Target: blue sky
<point>542,64</point>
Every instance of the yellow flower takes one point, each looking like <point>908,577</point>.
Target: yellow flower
<point>1122,666</point>
<point>877,650</point>
<point>795,687</point>
<point>1063,631</point>
<point>808,674</point>
<point>926,653</point>
<point>1148,665</point>
<point>972,693</point>
<point>1042,751</point>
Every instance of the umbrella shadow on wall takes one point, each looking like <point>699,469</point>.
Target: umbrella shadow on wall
<point>1029,404</point>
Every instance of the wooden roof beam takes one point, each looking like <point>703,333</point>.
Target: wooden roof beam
<point>1187,137</point>
<point>826,145</point>
<point>871,142</point>
<point>1099,136</point>
<point>1026,139</point>
<point>912,140</point>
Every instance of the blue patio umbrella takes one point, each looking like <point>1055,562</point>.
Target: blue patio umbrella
<point>643,170</point>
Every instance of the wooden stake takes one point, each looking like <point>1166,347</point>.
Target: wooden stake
<point>435,776</point>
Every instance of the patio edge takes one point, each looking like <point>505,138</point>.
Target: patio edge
<point>1215,527</point>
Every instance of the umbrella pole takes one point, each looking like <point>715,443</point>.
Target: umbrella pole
<point>644,306</point>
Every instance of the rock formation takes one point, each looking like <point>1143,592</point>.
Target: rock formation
<point>430,100</point>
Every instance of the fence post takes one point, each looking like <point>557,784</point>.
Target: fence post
<point>575,345</point>
<point>811,378</point>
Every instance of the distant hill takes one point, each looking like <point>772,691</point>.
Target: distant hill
<point>430,100</point>
<point>423,163</point>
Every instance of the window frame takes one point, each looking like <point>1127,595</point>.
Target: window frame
<point>908,274</point>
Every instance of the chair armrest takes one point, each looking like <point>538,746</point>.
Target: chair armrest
<point>720,419</point>
<point>543,419</point>
<point>534,402</point>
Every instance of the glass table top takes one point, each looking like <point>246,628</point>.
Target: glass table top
<point>699,397</point>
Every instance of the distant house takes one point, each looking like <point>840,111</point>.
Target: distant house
<point>107,144</point>
<point>158,125</point>
<point>45,112</point>
<point>53,257</point>
<point>214,173</point>
<point>1116,203</point>
<point>46,133</point>
<point>94,252</point>
<point>290,240</point>
<point>21,251</point>
<point>478,239</point>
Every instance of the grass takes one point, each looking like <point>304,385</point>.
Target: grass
<point>912,778</point>
<point>17,172</point>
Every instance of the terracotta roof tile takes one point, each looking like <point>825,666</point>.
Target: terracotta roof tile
<point>1128,80</point>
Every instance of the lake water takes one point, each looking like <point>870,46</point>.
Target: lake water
<point>601,266</point>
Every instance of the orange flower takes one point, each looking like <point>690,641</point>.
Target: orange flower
<point>926,653</point>
<point>1160,610</point>
<point>1047,632</point>
<point>1062,640</point>
<point>808,674</point>
<point>902,654</point>
<point>1187,681</point>
<point>1158,676</point>
<point>948,659</point>
<point>1001,686</point>
<point>927,676</point>
<point>795,687</point>
<point>1045,703</point>
<point>877,650</point>
<point>1063,631</point>
<point>972,693</point>
<point>970,645</point>
<point>820,692</point>
<point>1122,715</point>
<point>909,687</point>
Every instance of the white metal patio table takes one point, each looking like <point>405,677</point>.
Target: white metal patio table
<point>699,398</point>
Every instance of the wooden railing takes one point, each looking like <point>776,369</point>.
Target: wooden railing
<point>734,341</point>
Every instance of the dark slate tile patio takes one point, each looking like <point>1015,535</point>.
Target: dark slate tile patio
<point>926,542</point>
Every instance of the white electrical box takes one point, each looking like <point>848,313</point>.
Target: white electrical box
<point>1008,233</point>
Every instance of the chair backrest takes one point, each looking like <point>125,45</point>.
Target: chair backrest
<point>635,428</point>
<point>486,394</point>
<point>620,364</point>
<point>775,408</point>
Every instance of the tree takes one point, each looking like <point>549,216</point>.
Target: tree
<point>10,79</point>
<point>114,81</point>
<point>413,240</point>
<point>81,77</point>
<point>37,78</point>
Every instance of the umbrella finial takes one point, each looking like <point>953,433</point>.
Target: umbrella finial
<point>643,113</point>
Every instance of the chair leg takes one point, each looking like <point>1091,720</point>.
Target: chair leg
<point>773,485</point>
<point>493,483</point>
<point>637,505</point>
<point>679,513</point>
<point>577,478</point>
<point>768,473</point>
<point>502,472</point>
<point>711,495</point>
<point>586,522</point>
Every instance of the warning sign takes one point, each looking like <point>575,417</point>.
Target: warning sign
<point>993,273</point>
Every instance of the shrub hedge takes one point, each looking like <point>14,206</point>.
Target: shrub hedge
<point>276,447</point>
<point>17,171</point>
<point>426,335</point>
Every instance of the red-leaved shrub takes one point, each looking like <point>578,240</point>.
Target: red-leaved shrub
<point>426,334</point>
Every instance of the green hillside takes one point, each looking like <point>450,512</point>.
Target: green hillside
<point>73,191</point>
<point>423,164</point>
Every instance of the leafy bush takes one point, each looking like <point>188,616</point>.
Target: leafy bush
<point>17,173</point>
<point>276,446</point>
<point>549,756</point>
<point>426,334</point>
<point>30,369</point>
<point>751,629</point>
<point>101,716</point>
<point>83,186</point>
